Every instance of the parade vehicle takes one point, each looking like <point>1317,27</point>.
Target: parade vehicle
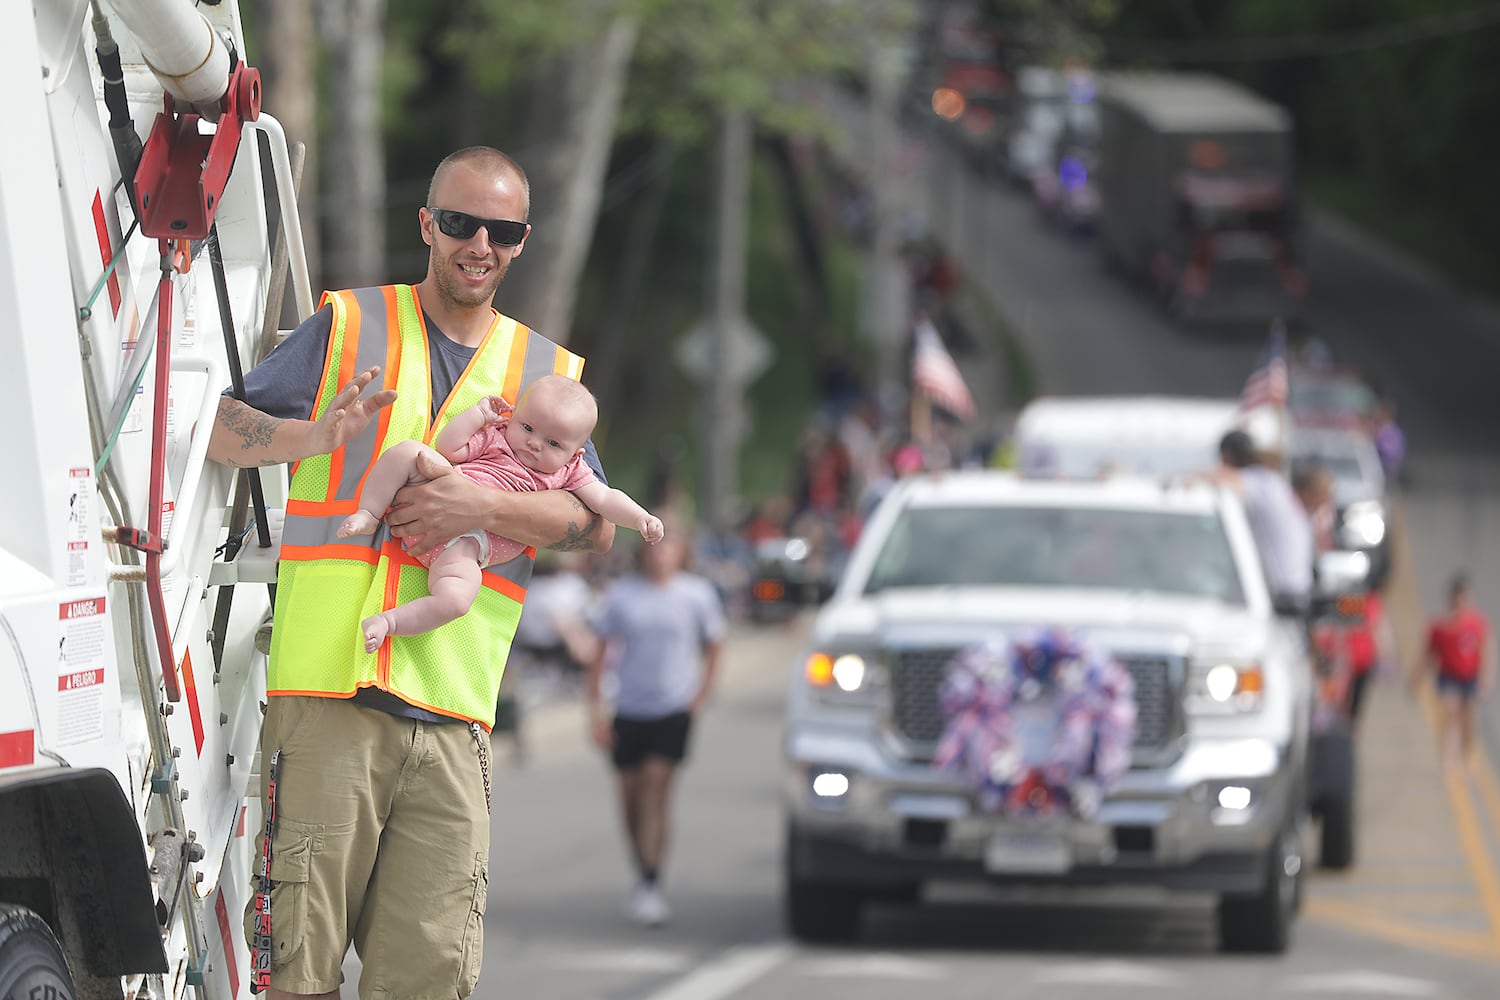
<point>1161,580</point>
<point>1197,196</point>
<point>786,576</point>
<point>1360,495</point>
<point>141,196</point>
<point>1083,437</point>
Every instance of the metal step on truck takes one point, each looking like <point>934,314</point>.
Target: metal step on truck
<point>147,217</point>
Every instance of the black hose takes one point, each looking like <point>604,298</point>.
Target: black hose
<point>127,141</point>
<point>257,494</point>
<point>236,374</point>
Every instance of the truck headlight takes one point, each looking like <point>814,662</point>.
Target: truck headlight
<point>1363,524</point>
<point>839,673</point>
<point>1225,688</point>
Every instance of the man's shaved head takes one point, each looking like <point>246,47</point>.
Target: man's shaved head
<point>484,160</point>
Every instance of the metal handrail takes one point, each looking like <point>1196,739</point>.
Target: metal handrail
<point>291,218</point>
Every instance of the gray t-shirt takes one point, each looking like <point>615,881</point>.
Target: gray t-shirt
<point>660,629</point>
<point>1282,530</point>
<point>285,385</point>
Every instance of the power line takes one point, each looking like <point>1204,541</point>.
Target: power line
<point>1419,29</point>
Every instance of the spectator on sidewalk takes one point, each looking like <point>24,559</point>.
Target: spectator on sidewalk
<point>1460,650</point>
<point>1390,441</point>
<point>662,628</point>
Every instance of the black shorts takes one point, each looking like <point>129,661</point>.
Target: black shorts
<point>1463,687</point>
<point>637,739</point>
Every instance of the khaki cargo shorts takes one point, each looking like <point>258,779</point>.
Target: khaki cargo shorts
<point>382,839</point>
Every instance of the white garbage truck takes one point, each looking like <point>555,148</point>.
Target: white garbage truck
<point>146,216</point>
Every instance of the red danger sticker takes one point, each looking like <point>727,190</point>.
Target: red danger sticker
<point>80,609</point>
<point>81,679</point>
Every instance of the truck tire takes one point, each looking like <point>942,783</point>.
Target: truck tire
<point>1336,847</point>
<point>818,913</point>
<point>1263,922</point>
<point>31,962</point>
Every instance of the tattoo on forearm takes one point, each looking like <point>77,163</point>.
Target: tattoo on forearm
<point>253,428</point>
<point>578,538</point>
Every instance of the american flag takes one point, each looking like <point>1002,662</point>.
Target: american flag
<point>935,375</point>
<point>1267,385</point>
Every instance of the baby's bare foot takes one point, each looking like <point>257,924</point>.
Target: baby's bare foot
<point>376,628</point>
<point>361,522</point>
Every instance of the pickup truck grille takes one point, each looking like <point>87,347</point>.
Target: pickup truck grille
<point>918,717</point>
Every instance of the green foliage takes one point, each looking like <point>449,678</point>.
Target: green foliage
<point>694,58</point>
<point>659,406</point>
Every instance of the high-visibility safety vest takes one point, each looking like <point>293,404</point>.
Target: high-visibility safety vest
<point>326,585</point>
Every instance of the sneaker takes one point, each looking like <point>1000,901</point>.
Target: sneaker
<point>648,907</point>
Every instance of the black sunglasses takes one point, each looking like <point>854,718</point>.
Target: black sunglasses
<point>463,226</point>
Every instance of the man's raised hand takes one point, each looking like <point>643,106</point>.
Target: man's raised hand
<point>348,414</point>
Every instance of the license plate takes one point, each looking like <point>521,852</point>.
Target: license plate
<point>1027,853</point>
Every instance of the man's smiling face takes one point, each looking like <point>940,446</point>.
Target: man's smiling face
<point>467,272</point>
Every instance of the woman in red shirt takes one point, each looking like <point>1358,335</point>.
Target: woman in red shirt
<point>1461,650</point>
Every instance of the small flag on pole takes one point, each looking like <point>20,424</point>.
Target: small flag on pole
<point>1267,385</point>
<point>935,375</point>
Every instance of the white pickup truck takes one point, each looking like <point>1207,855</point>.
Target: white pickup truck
<point>1165,579</point>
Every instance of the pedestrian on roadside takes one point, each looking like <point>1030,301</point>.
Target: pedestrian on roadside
<point>662,629</point>
<point>1460,650</point>
<point>375,771</point>
<point>552,645</point>
<point>1390,441</point>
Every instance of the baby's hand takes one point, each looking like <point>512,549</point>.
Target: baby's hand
<point>495,409</point>
<point>652,530</point>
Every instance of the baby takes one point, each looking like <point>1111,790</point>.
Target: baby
<point>538,445</point>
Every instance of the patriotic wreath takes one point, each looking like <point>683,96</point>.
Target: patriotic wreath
<point>1093,703</point>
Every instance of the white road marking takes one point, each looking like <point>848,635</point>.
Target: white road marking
<point>728,974</point>
<point>1353,982</point>
<point>621,960</point>
<point>1108,974</point>
<point>873,966</point>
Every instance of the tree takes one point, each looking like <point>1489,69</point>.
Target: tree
<point>559,69</point>
<point>353,33</point>
<point>288,68</point>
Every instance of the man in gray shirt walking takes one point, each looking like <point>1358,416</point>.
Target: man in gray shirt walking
<point>662,630</point>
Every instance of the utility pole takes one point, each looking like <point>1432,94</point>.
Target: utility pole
<point>887,296</point>
<point>725,413</point>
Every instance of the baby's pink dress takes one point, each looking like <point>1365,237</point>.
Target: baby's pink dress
<point>493,463</point>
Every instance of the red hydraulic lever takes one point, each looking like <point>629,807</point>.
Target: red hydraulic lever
<point>178,186</point>
<point>154,595</point>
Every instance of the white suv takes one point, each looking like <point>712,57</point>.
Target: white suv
<point>1164,578</point>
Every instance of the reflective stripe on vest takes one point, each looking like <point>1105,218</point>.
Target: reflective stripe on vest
<point>326,585</point>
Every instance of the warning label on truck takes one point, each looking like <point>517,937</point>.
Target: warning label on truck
<point>80,671</point>
<point>80,495</point>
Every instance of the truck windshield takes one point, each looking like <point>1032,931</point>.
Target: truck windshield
<point>1167,552</point>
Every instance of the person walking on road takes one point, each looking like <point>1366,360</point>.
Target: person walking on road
<point>375,776</point>
<point>662,628</point>
<point>1460,650</point>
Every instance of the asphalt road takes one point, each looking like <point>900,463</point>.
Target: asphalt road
<point>1418,916</point>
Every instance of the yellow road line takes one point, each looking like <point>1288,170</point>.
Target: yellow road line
<point>1470,835</point>
<point>1357,916</point>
